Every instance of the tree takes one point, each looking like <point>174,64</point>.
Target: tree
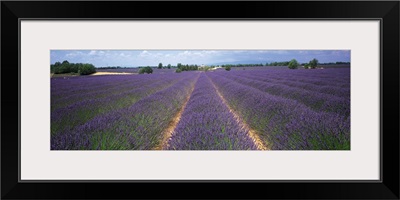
<point>178,70</point>
<point>67,67</point>
<point>306,66</point>
<point>169,66</point>
<point>86,69</point>
<point>55,68</point>
<point>313,63</point>
<point>293,64</point>
<point>64,68</point>
<point>160,66</point>
<point>228,68</point>
<point>74,68</point>
<point>147,70</point>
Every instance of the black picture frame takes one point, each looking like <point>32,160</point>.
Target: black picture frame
<point>386,11</point>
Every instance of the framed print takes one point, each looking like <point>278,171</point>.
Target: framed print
<point>279,95</point>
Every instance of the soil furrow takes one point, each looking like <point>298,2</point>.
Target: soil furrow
<point>252,133</point>
<point>174,122</point>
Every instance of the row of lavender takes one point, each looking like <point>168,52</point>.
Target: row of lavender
<point>328,77</point>
<point>317,84</point>
<point>114,126</point>
<point>285,120</point>
<point>61,87</point>
<point>68,112</point>
<point>319,98</point>
<point>71,90</point>
<point>289,109</point>
<point>207,123</point>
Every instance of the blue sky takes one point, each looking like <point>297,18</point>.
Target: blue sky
<point>133,58</point>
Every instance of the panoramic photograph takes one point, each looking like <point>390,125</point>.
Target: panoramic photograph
<point>200,99</point>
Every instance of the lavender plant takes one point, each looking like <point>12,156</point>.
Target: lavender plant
<point>207,123</point>
<point>283,122</point>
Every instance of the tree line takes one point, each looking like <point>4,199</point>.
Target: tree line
<point>67,67</point>
<point>312,64</point>
<point>293,64</point>
<point>335,63</point>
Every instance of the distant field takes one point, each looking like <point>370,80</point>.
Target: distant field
<point>136,70</point>
<point>247,108</point>
<point>155,70</point>
<point>285,67</point>
<point>127,70</point>
<point>335,66</point>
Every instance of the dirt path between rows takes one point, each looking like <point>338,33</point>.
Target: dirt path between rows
<point>252,133</point>
<point>167,134</point>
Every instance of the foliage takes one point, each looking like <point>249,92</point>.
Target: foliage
<point>67,67</point>
<point>228,68</point>
<point>178,70</point>
<point>86,69</point>
<point>169,66</point>
<point>205,68</point>
<point>340,63</point>
<point>293,64</point>
<point>160,66</point>
<point>147,70</point>
<point>187,67</point>
<point>313,63</point>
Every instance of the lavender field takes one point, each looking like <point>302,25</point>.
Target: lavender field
<point>258,109</point>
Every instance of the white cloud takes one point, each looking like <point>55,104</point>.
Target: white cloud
<point>74,54</point>
<point>185,53</point>
<point>204,53</point>
<point>210,52</point>
<point>123,55</point>
<point>144,54</point>
<point>280,52</point>
<point>98,53</point>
